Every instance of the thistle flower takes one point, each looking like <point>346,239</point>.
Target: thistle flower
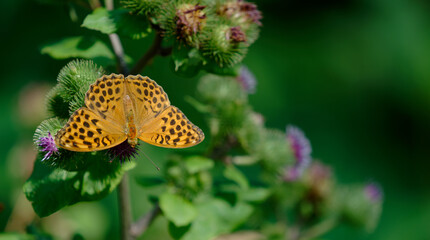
<point>189,20</point>
<point>47,144</point>
<point>123,152</point>
<point>373,192</point>
<point>301,148</point>
<point>241,12</point>
<point>247,80</point>
<point>236,35</point>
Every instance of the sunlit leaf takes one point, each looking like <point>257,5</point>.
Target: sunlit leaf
<point>117,21</point>
<point>80,47</point>
<point>254,194</point>
<point>177,209</point>
<point>216,217</point>
<point>196,164</point>
<point>237,176</point>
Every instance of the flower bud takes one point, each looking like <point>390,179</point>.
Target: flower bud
<point>147,7</point>
<point>223,46</point>
<point>236,35</point>
<point>240,12</point>
<point>362,206</point>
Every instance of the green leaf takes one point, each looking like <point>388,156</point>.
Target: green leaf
<point>254,194</point>
<point>186,61</point>
<point>100,20</point>
<point>196,164</point>
<point>177,232</point>
<point>49,189</point>
<point>224,71</point>
<point>81,47</point>
<point>177,209</point>
<point>17,236</point>
<point>117,21</point>
<point>216,217</point>
<point>232,173</point>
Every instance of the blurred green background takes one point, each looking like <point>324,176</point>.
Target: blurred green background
<point>354,75</point>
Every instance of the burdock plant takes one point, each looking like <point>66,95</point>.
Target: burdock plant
<point>245,176</point>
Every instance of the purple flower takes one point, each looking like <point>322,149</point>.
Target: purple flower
<point>302,152</point>
<point>47,144</point>
<point>123,151</point>
<point>247,80</point>
<point>373,192</point>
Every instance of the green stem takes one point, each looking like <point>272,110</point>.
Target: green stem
<point>319,229</point>
<point>124,208</point>
<point>149,55</point>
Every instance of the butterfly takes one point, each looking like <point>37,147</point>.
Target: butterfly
<point>119,109</point>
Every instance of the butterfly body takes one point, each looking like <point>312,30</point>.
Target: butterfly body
<point>131,130</point>
<point>131,108</point>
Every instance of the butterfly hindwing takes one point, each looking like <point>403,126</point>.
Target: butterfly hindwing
<point>86,132</point>
<point>149,98</point>
<point>171,129</point>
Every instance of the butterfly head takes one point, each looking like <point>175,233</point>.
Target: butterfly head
<point>132,142</point>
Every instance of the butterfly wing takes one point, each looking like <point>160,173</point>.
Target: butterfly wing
<point>149,98</point>
<point>105,98</point>
<point>86,132</point>
<point>171,129</point>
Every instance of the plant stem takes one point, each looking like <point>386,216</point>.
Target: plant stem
<point>116,45</point>
<point>139,227</point>
<point>119,53</point>
<point>319,229</point>
<point>124,208</point>
<point>149,55</point>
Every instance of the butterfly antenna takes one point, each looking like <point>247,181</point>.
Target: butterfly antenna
<point>155,165</point>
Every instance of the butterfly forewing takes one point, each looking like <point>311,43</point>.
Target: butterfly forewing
<point>171,129</point>
<point>86,132</point>
<point>149,98</point>
<point>105,98</point>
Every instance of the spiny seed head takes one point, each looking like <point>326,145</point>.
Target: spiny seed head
<point>219,46</point>
<point>47,144</point>
<point>240,12</point>
<point>123,152</point>
<point>190,19</point>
